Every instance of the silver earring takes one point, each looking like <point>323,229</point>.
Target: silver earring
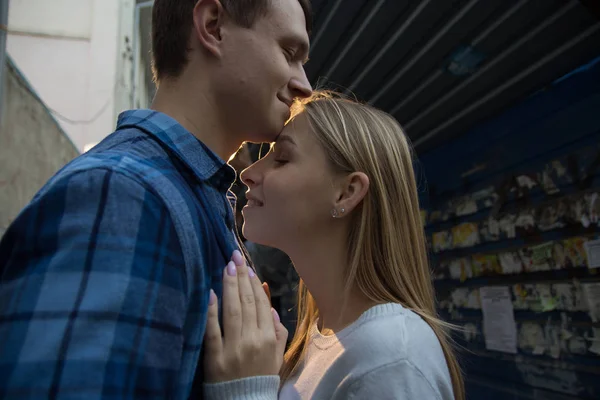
<point>334,213</point>
<point>342,210</point>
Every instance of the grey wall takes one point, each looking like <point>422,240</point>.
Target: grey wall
<point>32,146</point>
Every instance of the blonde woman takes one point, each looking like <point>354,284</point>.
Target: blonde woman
<point>337,193</point>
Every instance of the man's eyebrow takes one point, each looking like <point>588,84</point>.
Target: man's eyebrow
<point>302,45</point>
<point>304,49</point>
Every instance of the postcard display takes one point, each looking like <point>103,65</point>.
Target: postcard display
<point>516,263</point>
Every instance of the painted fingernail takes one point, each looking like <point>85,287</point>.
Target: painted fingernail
<point>275,315</point>
<point>212,299</point>
<point>237,258</point>
<point>231,270</point>
<point>251,273</point>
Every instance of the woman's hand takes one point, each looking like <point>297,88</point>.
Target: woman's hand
<point>253,339</point>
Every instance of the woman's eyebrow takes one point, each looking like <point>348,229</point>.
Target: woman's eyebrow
<point>285,138</point>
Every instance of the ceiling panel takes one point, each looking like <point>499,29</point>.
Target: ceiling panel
<point>442,66</point>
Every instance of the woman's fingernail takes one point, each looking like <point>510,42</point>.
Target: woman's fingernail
<point>275,315</point>
<point>251,273</point>
<point>237,258</point>
<point>212,299</point>
<point>231,270</point>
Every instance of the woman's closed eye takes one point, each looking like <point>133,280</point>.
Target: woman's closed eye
<point>281,153</point>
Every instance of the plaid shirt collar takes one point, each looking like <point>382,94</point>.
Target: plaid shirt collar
<point>205,164</point>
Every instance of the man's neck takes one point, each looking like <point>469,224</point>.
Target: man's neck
<point>192,108</point>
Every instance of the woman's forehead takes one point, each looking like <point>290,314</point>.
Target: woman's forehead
<point>298,129</point>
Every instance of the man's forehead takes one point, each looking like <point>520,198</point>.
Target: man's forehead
<point>288,16</point>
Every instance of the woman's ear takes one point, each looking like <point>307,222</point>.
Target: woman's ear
<point>353,190</point>
<point>208,21</point>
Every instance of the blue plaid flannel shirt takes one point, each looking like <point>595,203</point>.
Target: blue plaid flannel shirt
<point>104,276</point>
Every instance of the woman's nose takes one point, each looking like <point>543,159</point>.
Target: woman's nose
<point>248,176</point>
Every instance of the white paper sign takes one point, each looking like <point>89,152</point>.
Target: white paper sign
<point>595,347</point>
<point>499,326</point>
<point>591,292</point>
<point>592,250</point>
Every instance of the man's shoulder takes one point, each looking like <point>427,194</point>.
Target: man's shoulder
<point>127,153</point>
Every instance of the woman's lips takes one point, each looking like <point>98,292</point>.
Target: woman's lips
<point>254,203</point>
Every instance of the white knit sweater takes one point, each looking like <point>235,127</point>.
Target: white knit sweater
<point>388,353</point>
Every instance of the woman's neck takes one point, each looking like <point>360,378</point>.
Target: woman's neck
<point>333,320</point>
<point>323,264</point>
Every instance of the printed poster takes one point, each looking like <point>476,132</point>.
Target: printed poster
<point>570,253</point>
<point>441,241</point>
<point>465,235</point>
<point>486,264</point>
<point>511,263</point>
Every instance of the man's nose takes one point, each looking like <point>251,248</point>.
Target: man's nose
<point>300,86</point>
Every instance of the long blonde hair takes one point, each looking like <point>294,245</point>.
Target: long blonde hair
<point>388,259</point>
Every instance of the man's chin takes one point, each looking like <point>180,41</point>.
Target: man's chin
<point>288,117</point>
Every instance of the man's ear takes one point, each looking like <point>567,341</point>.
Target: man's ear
<point>209,16</point>
<point>353,190</point>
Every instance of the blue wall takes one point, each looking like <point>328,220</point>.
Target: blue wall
<point>548,124</point>
<point>554,122</point>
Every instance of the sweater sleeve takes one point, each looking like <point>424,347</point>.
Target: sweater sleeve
<point>252,388</point>
<point>400,380</point>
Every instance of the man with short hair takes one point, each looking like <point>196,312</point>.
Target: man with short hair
<point>105,275</point>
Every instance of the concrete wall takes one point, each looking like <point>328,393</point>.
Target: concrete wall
<point>33,146</point>
<point>75,54</point>
<point>144,86</point>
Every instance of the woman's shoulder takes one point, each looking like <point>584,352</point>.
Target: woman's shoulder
<point>391,333</point>
<point>392,322</point>
<point>389,352</point>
